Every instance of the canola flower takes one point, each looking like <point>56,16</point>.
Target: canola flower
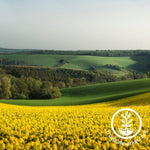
<point>68,127</point>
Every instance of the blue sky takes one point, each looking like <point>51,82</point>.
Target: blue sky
<point>75,24</point>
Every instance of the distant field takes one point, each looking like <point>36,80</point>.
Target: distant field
<point>139,63</point>
<point>91,94</point>
<point>74,61</point>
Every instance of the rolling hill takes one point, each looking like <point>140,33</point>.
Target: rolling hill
<point>91,94</point>
<point>138,63</point>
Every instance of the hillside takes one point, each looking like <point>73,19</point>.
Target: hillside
<point>91,94</point>
<point>138,63</point>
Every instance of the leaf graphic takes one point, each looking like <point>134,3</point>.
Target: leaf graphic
<point>123,125</point>
<point>122,121</point>
<point>126,124</point>
<point>122,115</point>
<point>130,125</point>
<point>126,114</point>
<point>129,115</point>
<point>130,121</point>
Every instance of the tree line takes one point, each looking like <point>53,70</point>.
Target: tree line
<point>12,62</point>
<point>107,53</point>
<point>61,77</point>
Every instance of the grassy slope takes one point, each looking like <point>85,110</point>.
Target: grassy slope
<point>91,94</point>
<point>139,63</point>
<point>74,61</point>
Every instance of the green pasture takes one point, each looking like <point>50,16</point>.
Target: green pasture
<point>138,63</point>
<point>91,94</point>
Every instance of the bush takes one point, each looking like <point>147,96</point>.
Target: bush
<point>48,93</point>
<point>115,67</point>
<point>55,93</point>
<point>20,96</point>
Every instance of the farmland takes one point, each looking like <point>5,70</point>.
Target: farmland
<point>138,63</point>
<point>91,94</point>
<point>68,127</point>
<point>80,118</point>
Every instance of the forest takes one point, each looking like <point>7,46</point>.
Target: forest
<point>18,82</point>
<point>26,88</point>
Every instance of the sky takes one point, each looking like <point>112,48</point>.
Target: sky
<point>75,24</point>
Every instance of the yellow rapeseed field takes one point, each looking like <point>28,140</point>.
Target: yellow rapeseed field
<point>70,127</point>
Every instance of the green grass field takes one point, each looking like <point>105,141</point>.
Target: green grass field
<point>139,63</point>
<point>91,94</point>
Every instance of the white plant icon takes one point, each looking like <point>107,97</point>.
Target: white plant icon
<point>126,124</point>
<point>126,132</point>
